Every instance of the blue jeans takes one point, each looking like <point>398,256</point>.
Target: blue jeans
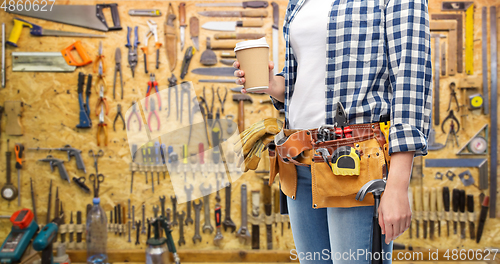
<point>330,235</point>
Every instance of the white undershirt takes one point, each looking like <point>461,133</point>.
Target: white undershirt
<point>308,31</point>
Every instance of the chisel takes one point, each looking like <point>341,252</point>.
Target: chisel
<point>471,216</point>
<point>440,207</point>
<point>418,208</point>
<point>447,213</point>
<point>455,204</point>
<point>432,213</point>
<point>462,215</point>
<point>425,217</point>
<point>482,218</point>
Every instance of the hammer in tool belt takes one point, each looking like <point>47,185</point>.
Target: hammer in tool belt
<point>376,187</point>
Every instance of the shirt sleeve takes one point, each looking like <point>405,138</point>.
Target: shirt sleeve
<point>277,104</point>
<point>410,75</point>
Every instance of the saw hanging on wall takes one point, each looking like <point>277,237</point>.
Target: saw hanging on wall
<point>87,16</point>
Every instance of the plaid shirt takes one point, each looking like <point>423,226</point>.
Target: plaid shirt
<point>378,63</point>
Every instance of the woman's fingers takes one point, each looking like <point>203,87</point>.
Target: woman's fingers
<point>240,81</point>
<point>236,64</point>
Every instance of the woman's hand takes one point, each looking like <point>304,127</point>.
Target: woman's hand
<point>394,211</point>
<point>241,75</point>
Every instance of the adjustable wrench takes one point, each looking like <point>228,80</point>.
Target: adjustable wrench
<point>181,228</point>
<point>188,197</point>
<point>228,222</point>
<point>174,206</point>
<point>206,192</point>
<point>197,209</point>
<point>243,233</point>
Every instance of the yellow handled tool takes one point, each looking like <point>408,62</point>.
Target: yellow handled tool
<point>36,30</point>
<point>384,127</point>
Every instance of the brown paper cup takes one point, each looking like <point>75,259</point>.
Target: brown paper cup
<point>253,56</point>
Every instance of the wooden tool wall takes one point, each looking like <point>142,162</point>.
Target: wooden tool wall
<point>51,114</point>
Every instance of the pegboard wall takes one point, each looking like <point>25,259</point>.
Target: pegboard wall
<point>51,112</point>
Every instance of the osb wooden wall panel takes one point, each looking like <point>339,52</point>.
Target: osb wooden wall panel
<point>51,114</point>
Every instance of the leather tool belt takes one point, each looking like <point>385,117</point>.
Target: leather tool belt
<point>324,149</point>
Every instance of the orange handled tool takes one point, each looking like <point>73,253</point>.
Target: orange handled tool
<point>81,52</point>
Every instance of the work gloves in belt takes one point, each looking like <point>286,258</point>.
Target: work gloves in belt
<point>254,140</point>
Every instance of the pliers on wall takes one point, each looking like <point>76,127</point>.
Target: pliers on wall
<point>132,49</point>
<point>102,128</point>
<point>100,82</point>
<point>172,84</point>
<point>153,83</point>
<point>119,114</point>
<point>118,68</point>
<point>210,111</point>
<point>155,113</point>
<point>99,61</point>
<point>136,114</point>
<point>101,102</point>
<point>153,31</point>
<point>222,101</point>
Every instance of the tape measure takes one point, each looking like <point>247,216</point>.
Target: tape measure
<point>345,161</point>
<point>475,101</point>
<point>477,145</point>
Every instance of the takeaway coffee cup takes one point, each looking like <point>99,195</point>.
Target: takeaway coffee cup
<point>253,56</point>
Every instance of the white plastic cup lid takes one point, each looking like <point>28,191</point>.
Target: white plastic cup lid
<point>255,43</point>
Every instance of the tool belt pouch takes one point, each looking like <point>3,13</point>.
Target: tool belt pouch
<point>352,162</point>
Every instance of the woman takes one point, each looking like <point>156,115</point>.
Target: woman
<point>372,56</point>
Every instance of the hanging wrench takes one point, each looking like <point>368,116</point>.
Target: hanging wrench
<point>228,222</point>
<point>206,193</point>
<point>197,209</point>
<point>188,196</point>
<point>162,203</point>
<point>133,217</point>
<point>174,206</point>
<point>156,209</point>
<point>218,236</point>
<point>167,215</point>
<point>181,228</point>
<point>143,231</point>
<point>243,232</point>
<point>137,226</point>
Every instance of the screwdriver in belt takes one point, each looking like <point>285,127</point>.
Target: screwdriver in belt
<point>19,149</point>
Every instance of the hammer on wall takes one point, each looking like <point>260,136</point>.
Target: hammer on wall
<point>241,98</point>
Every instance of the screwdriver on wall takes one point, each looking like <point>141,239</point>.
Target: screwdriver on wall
<point>19,149</point>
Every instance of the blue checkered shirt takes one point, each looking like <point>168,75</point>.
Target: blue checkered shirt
<point>378,63</point>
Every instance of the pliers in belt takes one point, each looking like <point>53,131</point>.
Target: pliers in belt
<point>152,82</point>
<point>99,61</point>
<point>101,101</point>
<point>132,49</point>
<point>119,114</point>
<point>453,96</point>
<point>151,113</point>
<point>222,101</point>
<point>136,114</point>
<point>451,116</point>
<point>102,128</point>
